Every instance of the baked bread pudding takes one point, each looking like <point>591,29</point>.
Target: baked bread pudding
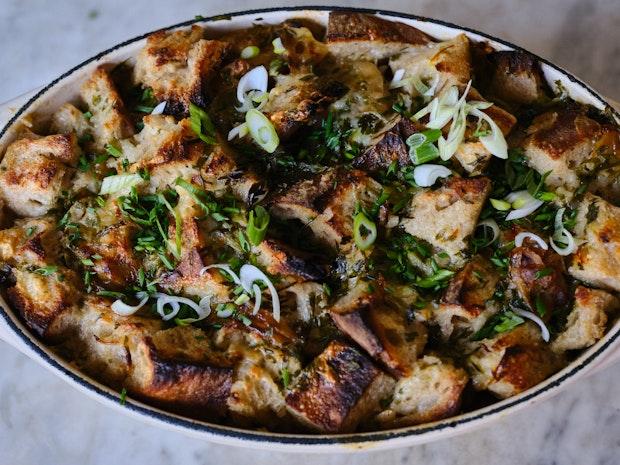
<point>307,230</point>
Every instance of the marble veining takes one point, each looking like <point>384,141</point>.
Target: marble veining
<point>45,421</point>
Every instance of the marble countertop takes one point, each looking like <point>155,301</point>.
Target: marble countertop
<point>45,421</point>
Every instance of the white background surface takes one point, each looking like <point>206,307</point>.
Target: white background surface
<point>44,421</point>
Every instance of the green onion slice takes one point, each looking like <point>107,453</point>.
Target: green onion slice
<point>262,131</point>
<point>257,225</point>
<point>278,47</point>
<point>201,124</point>
<point>250,52</point>
<point>119,182</point>
<point>364,231</point>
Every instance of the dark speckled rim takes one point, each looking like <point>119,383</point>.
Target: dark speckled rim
<point>249,437</point>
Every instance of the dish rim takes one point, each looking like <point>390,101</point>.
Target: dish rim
<point>247,437</point>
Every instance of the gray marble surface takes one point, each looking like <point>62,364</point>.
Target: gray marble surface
<point>44,421</point>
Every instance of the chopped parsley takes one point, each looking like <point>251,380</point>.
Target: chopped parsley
<point>46,270</point>
<point>123,397</point>
<point>543,272</point>
<point>113,151</point>
<point>201,124</point>
<point>256,229</point>
<point>150,212</point>
<point>499,323</point>
<point>285,376</point>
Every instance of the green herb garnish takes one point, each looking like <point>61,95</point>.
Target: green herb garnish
<point>285,376</point>
<point>113,151</point>
<point>201,124</point>
<point>47,270</point>
<point>499,323</point>
<point>257,225</point>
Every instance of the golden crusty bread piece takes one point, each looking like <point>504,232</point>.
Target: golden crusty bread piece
<point>381,329</point>
<point>176,368</point>
<point>35,170</point>
<point>597,259</point>
<point>340,388</point>
<point>446,217</point>
<point>44,299</point>
<point>30,241</point>
<point>561,142</point>
<point>355,36</point>
<point>327,202</point>
<point>515,78</point>
<point>178,65</point>
<point>512,362</point>
<point>432,391</point>
<point>109,120</point>
<point>463,307</point>
<point>587,321</point>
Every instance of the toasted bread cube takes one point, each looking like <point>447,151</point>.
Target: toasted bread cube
<point>512,362</point>
<point>43,300</point>
<point>109,121</point>
<point>388,146</point>
<point>358,36</point>
<point>516,78</point>
<point>68,119</point>
<point>561,142</point>
<point>606,181</point>
<point>431,392</point>
<point>327,202</point>
<point>221,170</point>
<point>384,331</point>
<point>443,64</point>
<point>586,322</point>
<point>183,163</point>
<point>160,140</point>
<point>471,154</point>
<point>473,285</point>
<point>188,280</point>
<point>606,184</point>
<point>118,264</point>
<point>290,265</point>
<point>597,259</point>
<point>339,389</point>
<point>35,171</point>
<point>176,369</point>
<point>446,217</point>
<point>178,65</point>
<point>257,393</point>
<point>550,290</point>
<point>463,308</point>
<point>386,334</point>
<point>33,241</point>
<point>165,148</point>
<point>102,338</point>
<point>296,99</point>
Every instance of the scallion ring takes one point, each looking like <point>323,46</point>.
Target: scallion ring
<point>250,52</point>
<point>364,231</point>
<point>262,131</point>
<point>257,225</point>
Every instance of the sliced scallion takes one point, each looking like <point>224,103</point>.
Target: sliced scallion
<point>257,225</point>
<point>364,231</point>
<point>250,52</point>
<point>278,47</point>
<point>262,131</point>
